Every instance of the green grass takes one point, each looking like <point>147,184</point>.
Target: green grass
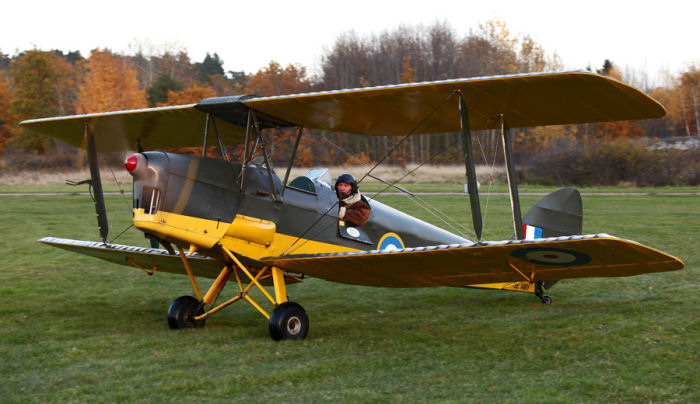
<point>75,329</point>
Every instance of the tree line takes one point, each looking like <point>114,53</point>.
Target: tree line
<point>38,83</point>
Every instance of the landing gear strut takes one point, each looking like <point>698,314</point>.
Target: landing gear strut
<point>539,292</point>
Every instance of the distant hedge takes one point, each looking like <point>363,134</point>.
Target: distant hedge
<point>601,163</point>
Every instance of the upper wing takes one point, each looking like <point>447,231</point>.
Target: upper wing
<point>533,99</point>
<point>157,128</point>
<point>475,263</point>
<point>524,99</point>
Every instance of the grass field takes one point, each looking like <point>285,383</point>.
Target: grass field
<point>75,329</point>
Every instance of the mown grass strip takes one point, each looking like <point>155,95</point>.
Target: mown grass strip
<point>78,329</point>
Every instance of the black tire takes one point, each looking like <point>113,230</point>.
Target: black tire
<point>546,299</point>
<point>289,321</point>
<point>182,311</point>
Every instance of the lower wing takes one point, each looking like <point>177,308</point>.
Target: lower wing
<point>468,264</point>
<point>149,260</point>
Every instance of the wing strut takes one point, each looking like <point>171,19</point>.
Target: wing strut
<point>300,130</point>
<point>472,188</point>
<point>512,180</point>
<point>96,183</point>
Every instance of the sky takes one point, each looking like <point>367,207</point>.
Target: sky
<point>654,38</point>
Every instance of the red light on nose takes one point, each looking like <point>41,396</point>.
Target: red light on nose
<point>130,163</point>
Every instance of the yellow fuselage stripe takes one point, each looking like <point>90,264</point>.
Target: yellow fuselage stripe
<point>205,234</point>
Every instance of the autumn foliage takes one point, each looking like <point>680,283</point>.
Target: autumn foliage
<point>38,83</point>
<point>109,84</point>
<point>6,119</point>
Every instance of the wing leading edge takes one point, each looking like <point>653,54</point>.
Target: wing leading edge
<point>461,265</point>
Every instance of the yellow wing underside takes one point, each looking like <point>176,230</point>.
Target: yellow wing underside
<point>508,261</point>
<point>525,100</point>
<point>147,259</point>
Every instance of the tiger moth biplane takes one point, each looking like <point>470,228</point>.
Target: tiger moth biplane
<point>239,221</point>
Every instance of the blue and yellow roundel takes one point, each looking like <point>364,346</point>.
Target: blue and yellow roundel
<point>390,241</point>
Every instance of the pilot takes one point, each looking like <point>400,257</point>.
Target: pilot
<point>354,208</point>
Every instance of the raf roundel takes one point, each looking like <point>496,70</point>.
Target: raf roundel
<point>552,256</point>
<point>389,242</point>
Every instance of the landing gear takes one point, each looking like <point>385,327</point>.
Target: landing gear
<point>288,321</point>
<point>182,312</point>
<point>539,292</point>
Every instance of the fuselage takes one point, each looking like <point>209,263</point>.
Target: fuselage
<point>198,203</point>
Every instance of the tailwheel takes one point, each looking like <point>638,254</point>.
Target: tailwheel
<point>288,321</point>
<point>539,292</point>
<point>182,312</point>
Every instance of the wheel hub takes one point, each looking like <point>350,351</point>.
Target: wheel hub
<point>294,325</point>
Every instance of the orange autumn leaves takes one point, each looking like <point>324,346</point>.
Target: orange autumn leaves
<point>110,84</point>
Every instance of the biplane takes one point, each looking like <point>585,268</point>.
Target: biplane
<point>238,222</point>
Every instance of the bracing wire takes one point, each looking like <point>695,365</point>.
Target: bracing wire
<point>454,224</point>
<point>387,154</point>
<point>492,167</point>
<point>400,142</point>
<point>121,192</point>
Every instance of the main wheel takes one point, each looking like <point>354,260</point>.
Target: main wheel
<point>288,321</point>
<point>182,312</point>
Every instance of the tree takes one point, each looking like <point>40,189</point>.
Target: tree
<point>192,94</point>
<point>158,92</point>
<point>4,62</point>
<point>35,95</point>
<point>531,57</point>
<point>347,64</point>
<point>211,65</point>
<point>6,119</point>
<point>110,84</point>
<point>408,72</point>
<point>689,87</point>
<point>69,70</point>
<point>274,80</point>
<point>618,130</point>
<point>607,69</point>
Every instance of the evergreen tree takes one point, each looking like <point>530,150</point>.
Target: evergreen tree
<point>158,92</point>
<point>212,65</point>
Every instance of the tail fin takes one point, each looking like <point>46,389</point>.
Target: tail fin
<point>557,214</point>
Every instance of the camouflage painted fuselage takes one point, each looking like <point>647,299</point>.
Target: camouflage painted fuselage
<point>199,202</point>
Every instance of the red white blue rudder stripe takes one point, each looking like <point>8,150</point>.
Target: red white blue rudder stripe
<point>531,232</point>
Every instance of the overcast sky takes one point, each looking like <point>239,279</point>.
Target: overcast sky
<point>653,37</point>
